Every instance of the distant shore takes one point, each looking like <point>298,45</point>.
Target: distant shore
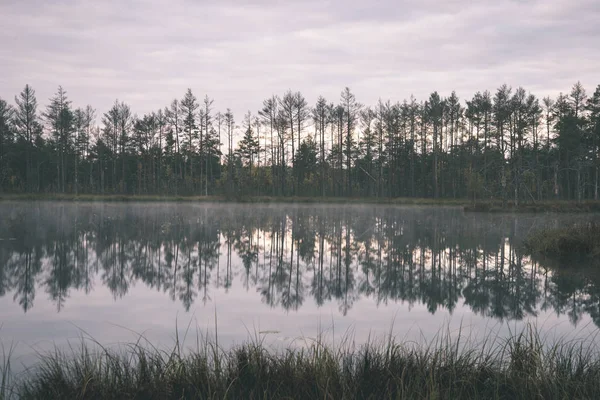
<point>491,206</point>
<point>231,199</point>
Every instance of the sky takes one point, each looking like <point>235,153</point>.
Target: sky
<point>239,53</point>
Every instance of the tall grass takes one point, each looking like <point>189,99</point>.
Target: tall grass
<point>5,372</point>
<point>523,366</point>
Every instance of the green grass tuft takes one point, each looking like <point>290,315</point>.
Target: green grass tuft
<point>521,367</point>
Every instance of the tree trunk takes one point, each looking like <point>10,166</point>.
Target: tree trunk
<point>435,163</point>
<point>578,184</point>
<point>63,171</point>
<point>322,128</point>
<point>91,175</point>
<point>76,174</point>
<point>102,178</point>
<point>123,186</point>
<point>596,184</point>
<point>58,180</point>
<point>200,155</point>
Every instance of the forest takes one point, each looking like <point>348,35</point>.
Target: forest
<point>509,145</point>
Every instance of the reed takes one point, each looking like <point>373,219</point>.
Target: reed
<point>524,366</point>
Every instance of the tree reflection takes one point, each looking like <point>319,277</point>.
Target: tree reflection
<point>437,257</point>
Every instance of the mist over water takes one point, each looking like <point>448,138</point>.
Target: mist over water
<point>105,269</point>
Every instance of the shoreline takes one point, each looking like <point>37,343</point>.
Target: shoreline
<point>226,199</point>
<point>489,206</point>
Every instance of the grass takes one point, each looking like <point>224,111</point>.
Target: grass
<point>573,243</point>
<point>5,376</point>
<point>521,367</point>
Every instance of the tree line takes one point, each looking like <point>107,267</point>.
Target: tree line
<point>507,145</point>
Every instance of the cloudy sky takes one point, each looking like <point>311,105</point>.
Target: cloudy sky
<point>146,52</point>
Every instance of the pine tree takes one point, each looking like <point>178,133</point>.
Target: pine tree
<point>6,140</point>
<point>593,135</point>
<point>189,105</point>
<point>28,129</point>
<point>351,109</point>
<point>60,120</point>
<point>248,147</point>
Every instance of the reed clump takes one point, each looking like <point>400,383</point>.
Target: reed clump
<point>448,367</point>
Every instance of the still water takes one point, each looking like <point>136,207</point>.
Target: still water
<point>114,270</point>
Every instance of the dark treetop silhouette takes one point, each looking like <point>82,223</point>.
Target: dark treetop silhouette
<point>505,145</point>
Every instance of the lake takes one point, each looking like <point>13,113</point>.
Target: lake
<point>111,271</point>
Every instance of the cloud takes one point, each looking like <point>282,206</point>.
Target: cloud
<point>241,52</point>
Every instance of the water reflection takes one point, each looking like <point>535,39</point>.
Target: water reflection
<point>288,255</point>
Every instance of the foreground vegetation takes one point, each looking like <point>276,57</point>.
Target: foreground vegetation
<point>577,242</point>
<point>522,367</point>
